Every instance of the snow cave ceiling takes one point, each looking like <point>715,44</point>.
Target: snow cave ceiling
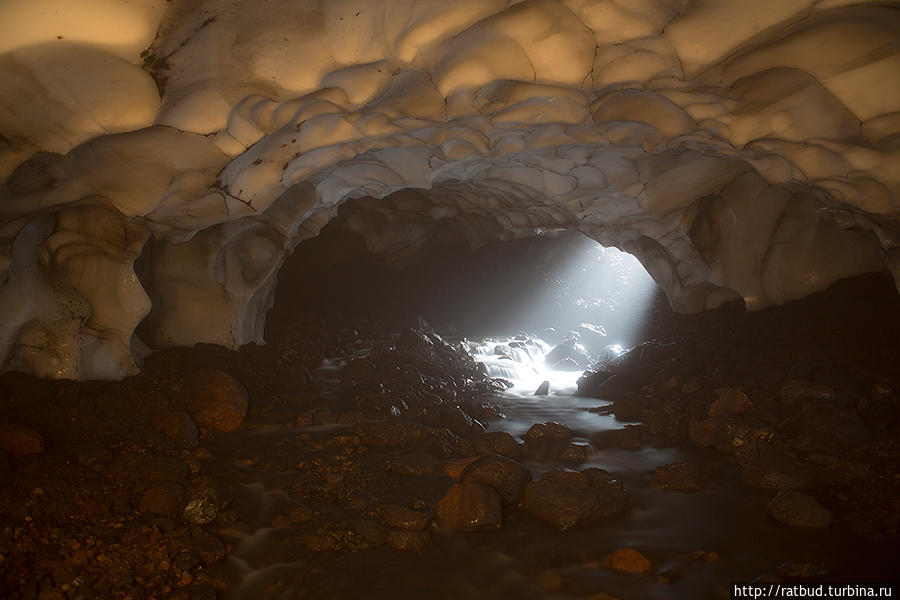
<point>738,149</point>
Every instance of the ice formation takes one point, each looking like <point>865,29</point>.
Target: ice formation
<point>738,149</point>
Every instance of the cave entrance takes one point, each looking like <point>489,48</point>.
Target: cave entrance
<point>548,285</point>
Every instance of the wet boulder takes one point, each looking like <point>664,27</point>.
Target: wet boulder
<point>549,431</point>
<point>543,389</point>
<point>506,476</point>
<point>629,560</point>
<point>215,399</point>
<point>469,507</point>
<point>565,499</point>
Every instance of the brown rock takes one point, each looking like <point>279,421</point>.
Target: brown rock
<point>550,431</point>
<point>208,549</point>
<point>400,517</point>
<point>506,476</point>
<point>215,399</point>
<point>454,468</point>
<point>565,499</point>
<point>683,477</point>
<point>574,454</point>
<point>799,509</point>
<point>629,560</point>
<point>731,402</point>
<point>415,463</point>
<point>178,427</point>
<point>469,507</point>
<point>497,442</point>
<point>702,433</point>
<point>162,498</point>
<point>19,439</point>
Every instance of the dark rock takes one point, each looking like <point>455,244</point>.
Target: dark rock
<point>743,436</point>
<point>574,454</point>
<point>497,442</point>
<point>409,541</point>
<point>206,548</point>
<point>215,399</point>
<point>415,463</point>
<point>629,560</point>
<point>825,429</point>
<point>389,434</point>
<point>178,427</point>
<point>683,477</point>
<point>469,507</point>
<point>550,431</point>
<point>455,419</point>
<point>590,383</point>
<point>799,509</point>
<point>18,439</point>
<point>565,499</point>
<point>202,501</point>
<point>731,402</point>
<point>543,389</point>
<point>629,406</point>
<point>162,498</point>
<point>370,532</point>
<point>359,370</point>
<point>626,438</point>
<point>400,517</point>
<point>702,433</point>
<point>794,390</point>
<point>506,476</point>
<point>776,471</point>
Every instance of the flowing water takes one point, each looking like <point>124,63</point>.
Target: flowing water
<point>525,558</point>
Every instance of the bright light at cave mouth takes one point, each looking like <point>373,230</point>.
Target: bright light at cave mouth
<point>593,308</point>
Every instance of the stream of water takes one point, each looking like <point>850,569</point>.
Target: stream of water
<point>525,558</point>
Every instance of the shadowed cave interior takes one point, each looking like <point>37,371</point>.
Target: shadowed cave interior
<point>469,300</point>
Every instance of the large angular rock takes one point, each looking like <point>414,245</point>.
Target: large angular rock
<point>565,499</point>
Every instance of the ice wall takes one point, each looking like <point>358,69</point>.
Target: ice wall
<point>738,149</point>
